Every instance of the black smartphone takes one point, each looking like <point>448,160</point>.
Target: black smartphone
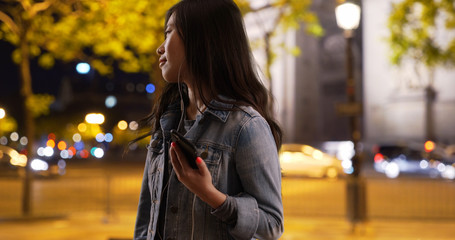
<point>188,149</point>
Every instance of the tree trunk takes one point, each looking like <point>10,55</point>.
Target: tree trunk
<point>430,97</point>
<point>28,123</point>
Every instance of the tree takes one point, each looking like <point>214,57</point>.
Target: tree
<point>102,32</point>
<point>413,26</point>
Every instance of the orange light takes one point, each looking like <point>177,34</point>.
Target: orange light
<point>50,143</point>
<point>72,150</point>
<point>429,146</point>
<point>61,145</point>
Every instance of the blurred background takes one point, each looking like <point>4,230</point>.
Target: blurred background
<point>363,91</point>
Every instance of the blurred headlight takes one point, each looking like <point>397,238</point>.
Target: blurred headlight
<point>449,172</point>
<point>48,151</point>
<point>39,165</point>
<point>424,164</point>
<point>392,170</point>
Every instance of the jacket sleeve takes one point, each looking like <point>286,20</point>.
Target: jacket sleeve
<point>143,212</point>
<point>259,207</point>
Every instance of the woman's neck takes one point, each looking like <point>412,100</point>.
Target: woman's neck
<point>196,104</point>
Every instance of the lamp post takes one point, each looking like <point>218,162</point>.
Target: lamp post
<point>348,18</point>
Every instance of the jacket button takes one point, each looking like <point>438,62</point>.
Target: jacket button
<point>204,154</point>
<point>174,209</point>
<point>155,201</point>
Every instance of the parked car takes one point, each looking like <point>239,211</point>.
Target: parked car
<point>11,161</point>
<point>393,160</point>
<point>306,161</point>
<point>48,166</point>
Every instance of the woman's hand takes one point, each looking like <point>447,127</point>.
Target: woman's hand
<point>198,181</point>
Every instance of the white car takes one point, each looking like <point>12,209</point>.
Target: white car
<point>306,161</point>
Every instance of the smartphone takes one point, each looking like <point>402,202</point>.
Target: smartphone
<point>188,149</point>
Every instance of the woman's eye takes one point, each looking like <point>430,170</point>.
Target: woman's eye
<point>166,33</point>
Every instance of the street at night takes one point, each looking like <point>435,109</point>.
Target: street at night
<point>98,201</point>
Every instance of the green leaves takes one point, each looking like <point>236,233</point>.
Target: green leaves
<point>99,32</point>
<point>414,25</point>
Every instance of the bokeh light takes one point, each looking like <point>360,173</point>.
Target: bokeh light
<point>24,140</point>
<point>39,165</point>
<point>51,136</point>
<point>14,136</point>
<point>3,140</point>
<point>82,127</point>
<point>99,137</point>
<point>2,113</point>
<point>71,151</point>
<point>61,145</point>
<point>429,146</point>
<point>79,145</point>
<point>77,137</point>
<point>133,125</point>
<point>110,101</point>
<point>48,151</point>
<point>140,87</point>
<point>84,154</point>
<point>150,88</point>
<point>94,118</point>
<point>122,125</point>
<point>50,143</point>
<point>83,68</point>
<point>108,137</point>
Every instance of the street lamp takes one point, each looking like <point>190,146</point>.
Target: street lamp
<point>348,18</point>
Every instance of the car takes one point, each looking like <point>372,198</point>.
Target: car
<point>43,166</point>
<point>393,160</point>
<point>12,163</point>
<point>302,160</point>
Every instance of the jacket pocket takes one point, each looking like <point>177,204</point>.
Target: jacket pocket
<point>212,158</point>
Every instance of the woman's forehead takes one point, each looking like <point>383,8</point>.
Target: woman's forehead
<point>170,21</point>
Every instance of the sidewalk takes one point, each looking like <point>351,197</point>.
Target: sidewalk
<point>95,226</point>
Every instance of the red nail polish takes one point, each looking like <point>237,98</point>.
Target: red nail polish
<point>199,160</point>
<point>173,144</point>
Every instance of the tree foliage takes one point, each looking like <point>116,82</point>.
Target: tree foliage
<point>414,26</point>
<point>101,32</point>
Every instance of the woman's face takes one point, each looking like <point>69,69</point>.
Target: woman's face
<point>172,54</point>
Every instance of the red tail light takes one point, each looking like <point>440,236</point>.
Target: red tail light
<point>378,158</point>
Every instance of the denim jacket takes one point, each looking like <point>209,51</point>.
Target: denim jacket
<point>240,152</point>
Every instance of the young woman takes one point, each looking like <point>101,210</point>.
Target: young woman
<point>213,97</point>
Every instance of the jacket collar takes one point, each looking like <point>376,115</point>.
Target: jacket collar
<point>220,110</point>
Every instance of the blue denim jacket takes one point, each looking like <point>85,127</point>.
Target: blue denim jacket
<point>239,150</point>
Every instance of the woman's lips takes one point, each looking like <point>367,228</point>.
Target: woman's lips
<point>162,62</point>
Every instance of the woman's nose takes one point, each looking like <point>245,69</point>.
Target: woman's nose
<point>160,50</point>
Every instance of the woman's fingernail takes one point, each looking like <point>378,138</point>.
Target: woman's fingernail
<point>198,160</point>
<point>173,144</point>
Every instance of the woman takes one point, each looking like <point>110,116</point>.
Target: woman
<point>214,97</point>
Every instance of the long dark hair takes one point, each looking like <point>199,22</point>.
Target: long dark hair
<point>219,59</point>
